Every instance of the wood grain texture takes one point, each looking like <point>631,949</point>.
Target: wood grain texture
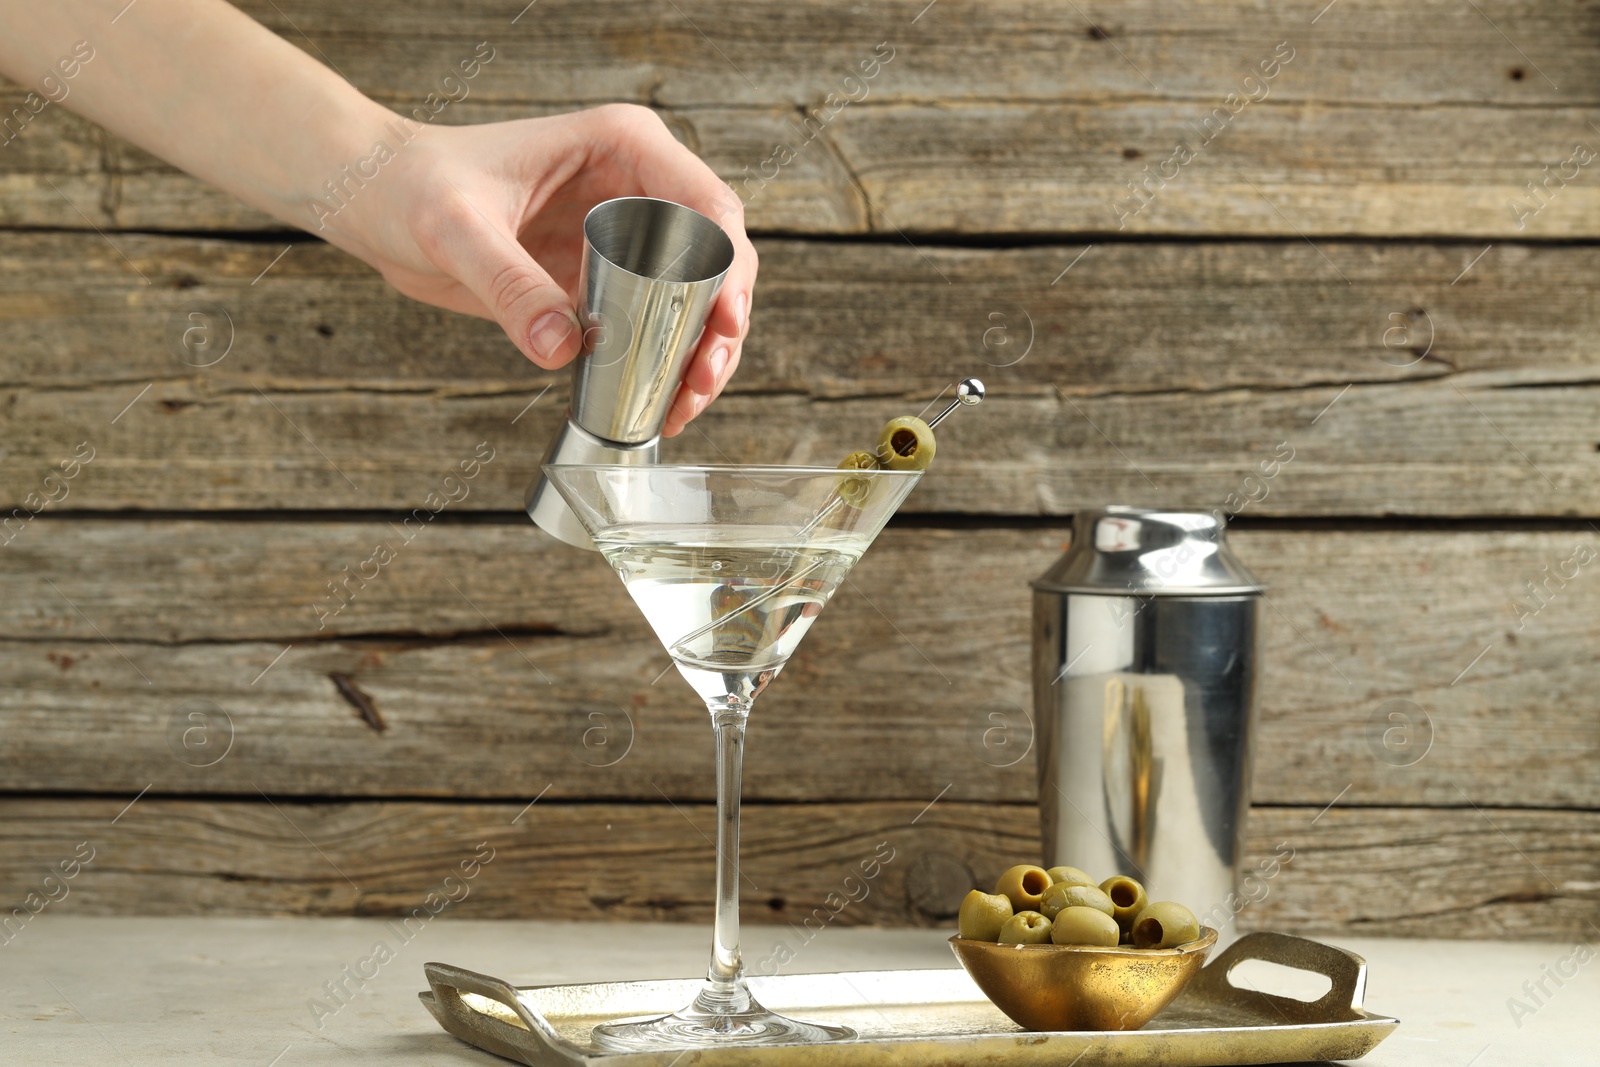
<point>832,320</point>
<point>1025,118</point>
<point>1277,169</point>
<point>770,52</point>
<point>1537,877</point>
<point>1466,399</point>
<point>501,663</point>
<point>562,861</point>
<point>1353,312</point>
<point>64,172</point>
<point>1424,448</point>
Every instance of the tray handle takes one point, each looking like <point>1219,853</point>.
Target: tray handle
<point>1345,970</point>
<point>533,1042</point>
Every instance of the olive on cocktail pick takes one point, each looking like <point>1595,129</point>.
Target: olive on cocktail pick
<point>905,443</point>
<point>854,491</point>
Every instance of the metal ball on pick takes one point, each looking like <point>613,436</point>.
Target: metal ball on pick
<point>968,392</point>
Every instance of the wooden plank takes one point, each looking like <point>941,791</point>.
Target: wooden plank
<point>66,173</point>
<point>840,319</point>
<point>1465,446</point>
<point>935,168</point>
<point>1011,117</point>
<point>932,169</point>
<point>337,392</point>
<point>770,52</point>
<point>1397,671</point>
<point>774,52</point>
<point>562,861</point>
<point>1540,873</point>
<point>1278,169</point>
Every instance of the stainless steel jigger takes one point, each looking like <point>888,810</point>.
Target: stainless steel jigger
<point>651,269</point>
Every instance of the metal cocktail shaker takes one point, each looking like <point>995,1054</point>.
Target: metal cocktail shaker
<point>1146,638</point>
<point>651,269</point>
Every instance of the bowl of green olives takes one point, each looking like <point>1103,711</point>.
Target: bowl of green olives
<point>1056,950</point>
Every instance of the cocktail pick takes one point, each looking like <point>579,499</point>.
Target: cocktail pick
<point>968,392</point>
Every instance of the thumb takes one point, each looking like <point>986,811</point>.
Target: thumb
<point>529,305</point>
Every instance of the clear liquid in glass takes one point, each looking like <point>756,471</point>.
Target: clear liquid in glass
<point>730,613</point>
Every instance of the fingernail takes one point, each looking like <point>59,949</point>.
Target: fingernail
<point>548,333</point>
<point>740,303</point>
<point>719,362</point>
<point>700,402</point>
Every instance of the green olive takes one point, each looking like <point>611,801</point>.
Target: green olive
<point>1069,875</point>
<point>856,490</point>
<point>983,914</point>
<point>1023,884</point>
<point>860,460</point>
<point>1165,925</point>
<point>1025,928</point>
<point>1127,896</point>
<point>1084,926</point>
<point>906,444</point>
<point>1065,895</point>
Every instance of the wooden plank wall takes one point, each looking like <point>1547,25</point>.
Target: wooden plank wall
<point>1341,266</point>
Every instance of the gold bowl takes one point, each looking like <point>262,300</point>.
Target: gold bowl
<point>1081,987</point>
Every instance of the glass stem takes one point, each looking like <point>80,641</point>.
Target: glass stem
<point>724,977</point>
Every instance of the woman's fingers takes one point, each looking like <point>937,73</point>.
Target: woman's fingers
<point>700,373</point>
<point>730,316</point>
<point>692,399</point>
<point>667,169</point>
<point>482,253</point>
<point>726,373</point>
<point>685,406</point>
<point>529,305</point>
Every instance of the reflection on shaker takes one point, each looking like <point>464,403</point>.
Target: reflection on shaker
<point>1128,767</point>
<point>1157,794</point>
<point>1144,703</point>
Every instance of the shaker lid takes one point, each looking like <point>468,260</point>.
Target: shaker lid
<point>1148,552</point>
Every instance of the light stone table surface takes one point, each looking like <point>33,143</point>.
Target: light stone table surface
<point>127,992</point>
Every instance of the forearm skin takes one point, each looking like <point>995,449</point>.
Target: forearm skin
<point>204,87</point>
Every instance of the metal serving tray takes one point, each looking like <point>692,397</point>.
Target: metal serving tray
<point>926,1017</point>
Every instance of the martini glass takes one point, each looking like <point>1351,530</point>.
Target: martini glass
<point>730,566</point>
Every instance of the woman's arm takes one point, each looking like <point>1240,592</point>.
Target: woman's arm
<point>479,219</point>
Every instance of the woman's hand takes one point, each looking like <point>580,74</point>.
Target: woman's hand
<point>488,220</point>
<point>482,219</point>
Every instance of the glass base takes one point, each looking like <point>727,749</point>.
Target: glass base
<point>734,1018</point>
